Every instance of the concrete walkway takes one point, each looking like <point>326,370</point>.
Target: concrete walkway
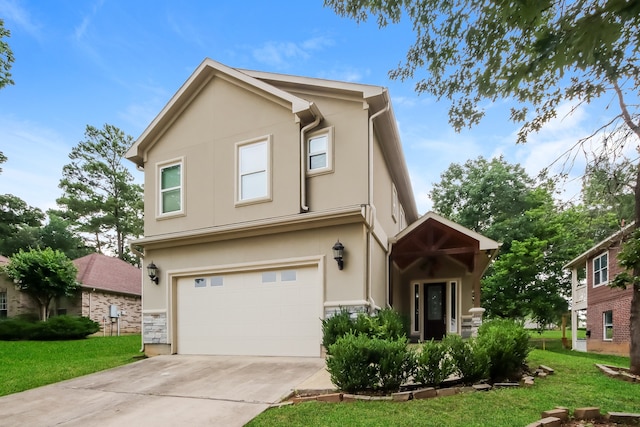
<point>166,391</point>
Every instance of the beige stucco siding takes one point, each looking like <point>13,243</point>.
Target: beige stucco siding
<point>383,193</point>
<point>204,137</point>
<point>379,274</point>
<point>341,285</point>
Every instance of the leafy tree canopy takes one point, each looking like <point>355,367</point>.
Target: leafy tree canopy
<point>100,197</point>
<point>6,57</point>
<point>537,53</point>
<point>15,216</point>
<point>43,274</point>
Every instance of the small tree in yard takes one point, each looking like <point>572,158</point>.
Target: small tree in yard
<point>43,274</point>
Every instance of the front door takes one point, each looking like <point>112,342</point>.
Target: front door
<point>434,311</point>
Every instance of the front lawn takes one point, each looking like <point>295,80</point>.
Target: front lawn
<point>576,383</point>
<point>29,364</point>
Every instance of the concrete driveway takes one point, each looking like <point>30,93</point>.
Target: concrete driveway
<point>163,391</point>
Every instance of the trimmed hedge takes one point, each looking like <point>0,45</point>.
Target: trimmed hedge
<point>56,328</point>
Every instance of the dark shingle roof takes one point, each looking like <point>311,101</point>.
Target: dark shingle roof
<point>109,274</point>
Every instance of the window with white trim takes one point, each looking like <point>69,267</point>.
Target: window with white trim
<point>320,152</point>
<point>3,305</point>
<point>394,203</point>
<point>170,188</point>
<point>607,325</point>
<point>600,270</point>
<point>253,170</point>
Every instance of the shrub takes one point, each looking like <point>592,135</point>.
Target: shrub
<point>336,326</point>
<point>351,363</point>
<point>506,344</point>
<point>387,324</point>
<point>15,329</point>
<point>64,328</point>
<point>433,364</point>
<point>470,359</point>
<point>357,362</point>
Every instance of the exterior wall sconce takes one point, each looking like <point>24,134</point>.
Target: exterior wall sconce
<point>338,254</point>
<point>152,271</point>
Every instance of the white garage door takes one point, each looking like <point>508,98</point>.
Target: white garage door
<point>261,313</point>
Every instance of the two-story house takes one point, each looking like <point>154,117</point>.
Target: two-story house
<point>605,311</point>
<point>271,201</point>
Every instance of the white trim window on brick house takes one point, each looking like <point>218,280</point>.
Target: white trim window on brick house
<point>601,270</point>
<point>607,325</point>
<point>254,170</point>
<point>3,305</point>
<point>170,191</point>
<point>320,152</point>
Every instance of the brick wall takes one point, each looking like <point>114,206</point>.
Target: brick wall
<point>602,299</point>
<point>95,305</point>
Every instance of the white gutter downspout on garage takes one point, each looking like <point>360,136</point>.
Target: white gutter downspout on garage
<point>303,157</point>
<point>371,222</point>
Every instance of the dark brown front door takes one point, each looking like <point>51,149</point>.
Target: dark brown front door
<point>434,311</point>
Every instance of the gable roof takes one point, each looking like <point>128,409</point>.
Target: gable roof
<point>276,87</point>
<point>302,109</point>
<point>108,274</point>
<point>484,243</point>
<point>600,246</point>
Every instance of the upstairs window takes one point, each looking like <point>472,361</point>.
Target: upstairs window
<point>253,170</point>
<point>170,197</point>
<point>600,270</point>
<point>319,152</point>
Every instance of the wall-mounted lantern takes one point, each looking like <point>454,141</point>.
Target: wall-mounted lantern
<point>152,271</point>
<point>338,254</point>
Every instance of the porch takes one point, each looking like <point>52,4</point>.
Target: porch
<point>435,271</point>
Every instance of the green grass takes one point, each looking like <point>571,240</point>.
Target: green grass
<point>29,364</point>
<point>576,383</point>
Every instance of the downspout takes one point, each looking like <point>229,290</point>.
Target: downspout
<point>141,255</point>
<point>371,222</point>
<point>303,157</point>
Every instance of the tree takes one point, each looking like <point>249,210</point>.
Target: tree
<point>15,216</point>
<point>501,201</point>
<point>3,159</point>
<point>6,57</point>
<point>99,195</point>
<point>43,275</point>
<point>538,54</point>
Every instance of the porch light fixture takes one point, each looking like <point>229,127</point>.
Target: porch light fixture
<point>152,271</point>
<point>338,254</point>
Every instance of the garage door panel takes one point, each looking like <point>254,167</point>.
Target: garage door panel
<point>245,316</point>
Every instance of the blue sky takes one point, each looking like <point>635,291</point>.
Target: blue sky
<point>120,61</point>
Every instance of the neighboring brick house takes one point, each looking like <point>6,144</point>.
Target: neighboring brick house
<point>606,309</point>
<point>105,281</point>
<point>12,301</point>
<point>108,281</point>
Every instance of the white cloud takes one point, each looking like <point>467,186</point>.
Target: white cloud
<point>81,30</point>
<point>36,156</point>
<point>281,54</point>
<point>13,13</point>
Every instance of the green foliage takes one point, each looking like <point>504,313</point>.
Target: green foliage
<point>16,329</point>
<point>506,344</point>
<point>469,359</point>
<point>56,328</point>
<point>536,54</point>
<point>386,324</point>
<point>433,363</point>
<point>6,57</point>
<point>357,362</point>
<point>16,216</point>
<point>64,328</point>
<point>100,198</point>
<point>43,275</point>
<point>629,258</point>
